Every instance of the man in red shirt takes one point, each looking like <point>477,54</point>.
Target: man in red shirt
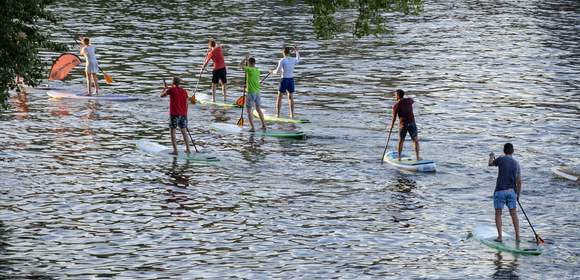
<point>216,54</point>
<point>404,109</point>
<point>177,112</point>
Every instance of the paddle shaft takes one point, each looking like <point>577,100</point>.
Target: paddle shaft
<point>265,78</point>
<point>387,145</point>
<point>192,142</point>
<point>244,105</point>
<point>538,238</point>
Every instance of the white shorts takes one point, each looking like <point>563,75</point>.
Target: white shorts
<point>251,99</point>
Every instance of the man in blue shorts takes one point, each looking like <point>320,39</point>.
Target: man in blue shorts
<point>507,188</point>
<point>286,70</point>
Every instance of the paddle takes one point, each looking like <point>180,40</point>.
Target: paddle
<point>241,120</point>
<point>388,139</point>
<point>192,99</point>
<point>265,77</point>
<point>539,240</point>
<point>108,78</point>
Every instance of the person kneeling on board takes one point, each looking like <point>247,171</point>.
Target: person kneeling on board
<point>177,112</point>
<point>507,188</point>
<point>253,90</point>
<point>404,109</point>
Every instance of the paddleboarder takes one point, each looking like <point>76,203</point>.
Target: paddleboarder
<point>219,74</point>
<point>404,110</point>
<point>177,112</point>
<point>92,66</point>
<point>253,90</point>
<point>507,188</point>
<point>286,70</point>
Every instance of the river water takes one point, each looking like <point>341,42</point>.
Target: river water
<point>79,200</point>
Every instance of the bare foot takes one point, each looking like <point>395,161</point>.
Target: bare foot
<point>252,129</point>
<point>173,153</point>
<point>498,240</point>
<point>188,151</point>
<point>419,158</point>
<point>88,94</point>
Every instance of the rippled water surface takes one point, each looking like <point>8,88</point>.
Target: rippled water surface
<point>79,200</point>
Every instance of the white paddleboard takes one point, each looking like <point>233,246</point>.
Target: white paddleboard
<point>487,234</point>
<point>566,173</point>
<point>79,95</point>
<point>158,149</point>
<point>232,128</point>
<point>410,164</point>
<point>206,99</point>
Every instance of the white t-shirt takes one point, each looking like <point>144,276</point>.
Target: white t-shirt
<point>286,66</point>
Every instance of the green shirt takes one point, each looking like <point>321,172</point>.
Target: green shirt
<point>252,79</point>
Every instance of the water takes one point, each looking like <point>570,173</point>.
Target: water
<point>80,201</point>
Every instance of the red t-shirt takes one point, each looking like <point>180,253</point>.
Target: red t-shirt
<point>177,101</point>
<point>217,56</point>
<point>404,109</point>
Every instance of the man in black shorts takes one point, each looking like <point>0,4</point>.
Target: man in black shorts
<point>215,53</point>
<point>404,110</point>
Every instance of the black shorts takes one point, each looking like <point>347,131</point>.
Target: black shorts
<point>409,127</point>
<point>219,74</point>
<point>177,121</point>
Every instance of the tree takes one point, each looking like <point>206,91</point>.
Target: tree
<point>369,19</point>
<point>21,38</point>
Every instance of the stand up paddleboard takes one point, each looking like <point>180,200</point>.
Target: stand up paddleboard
<point>409,164</point>
<point>272,118</point>
<point>232,128</point>
<point>158,149</point>
<point>72,95</point>
<point>566,173</point>
<point>205,99</point>
<point>487,234</point>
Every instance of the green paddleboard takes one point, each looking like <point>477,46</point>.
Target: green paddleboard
<point>487,235</point>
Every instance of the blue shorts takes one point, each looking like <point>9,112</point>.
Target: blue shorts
<point>409,127</point>
<point>252,99</point>
<point>501,198</point>
<point>178,121</point>
<point>287,84</point>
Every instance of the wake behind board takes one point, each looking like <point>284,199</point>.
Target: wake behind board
<point>205,99</point>
<point>409,164</point>
<point>566,173</point>
<point>273,118</point>
<point>487,234</point>
<point>158,149</point>
<point>75,95</point>
<point>232,128</point>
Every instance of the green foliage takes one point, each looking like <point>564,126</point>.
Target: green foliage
<point>20,41</point>
<point>369,19</point>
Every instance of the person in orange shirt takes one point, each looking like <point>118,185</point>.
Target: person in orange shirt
<point>219,73</point>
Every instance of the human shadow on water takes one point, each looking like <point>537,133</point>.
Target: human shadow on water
<point>403,200</point>
<point>505,269</point>
<point>179,180</point>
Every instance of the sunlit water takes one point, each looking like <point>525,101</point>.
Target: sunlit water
<point>78,200</point>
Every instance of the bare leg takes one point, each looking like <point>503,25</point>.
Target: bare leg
<point>184,133</point>
<point>498,224</point>
<point>261,115</point>
<point>213,86</point>
<point>89,79</point>
<point>416,142</point>
<point>224,90</point>
<point>96,83</point>
<point>250,118</point>
<point>291,104</point>
<point>400,148</point>
<point>516,222</point>
<point>278,104</point>
<point>173,141</point>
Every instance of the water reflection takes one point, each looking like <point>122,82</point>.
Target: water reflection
<point>505,269</point>
<point>252,151</point>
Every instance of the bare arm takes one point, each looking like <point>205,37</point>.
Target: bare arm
<point>244,62</point>
<point>164,91</point>
<point>297,54</point>
<point>518,186</point>
<point>277,70</point>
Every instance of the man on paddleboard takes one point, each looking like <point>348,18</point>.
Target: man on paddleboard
<point>177,112</point>
<point>507,188</point>
<point>253,90</point>
<point>286,70</point>
<point>219,74</point>
<point>404,109</point>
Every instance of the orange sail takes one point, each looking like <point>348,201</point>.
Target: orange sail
<point>63,65</point>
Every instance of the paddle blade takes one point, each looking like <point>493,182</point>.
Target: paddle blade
<point>241,122</point>
<point>539,240</point>
<point>241,101</point>
<point>108,78</point>
<point>192,99</point>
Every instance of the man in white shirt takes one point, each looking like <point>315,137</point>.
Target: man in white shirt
<point>286,70</point>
